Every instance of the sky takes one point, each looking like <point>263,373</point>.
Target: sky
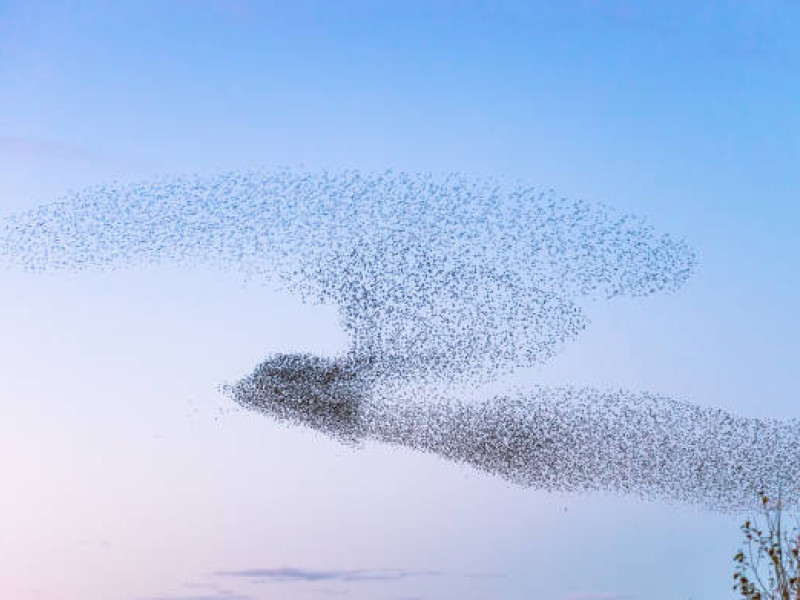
<point>128,475</point>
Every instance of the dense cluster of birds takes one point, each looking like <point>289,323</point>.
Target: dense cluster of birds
<point>436,278</point>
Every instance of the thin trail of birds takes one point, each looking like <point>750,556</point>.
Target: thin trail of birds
<point>436,278</point>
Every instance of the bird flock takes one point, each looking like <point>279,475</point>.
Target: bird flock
<point>436,278</point>
<point>566,439</point>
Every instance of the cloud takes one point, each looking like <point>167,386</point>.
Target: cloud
<point>294,574</point>
<point>31,146</point>
<point>599,596</point>
<point>219,596</point>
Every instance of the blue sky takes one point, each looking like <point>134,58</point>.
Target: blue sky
<point>119,457</point>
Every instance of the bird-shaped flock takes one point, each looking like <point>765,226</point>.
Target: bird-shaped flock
<point>439,279</point>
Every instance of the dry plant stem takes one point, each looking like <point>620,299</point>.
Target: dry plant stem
<point>769,569</point>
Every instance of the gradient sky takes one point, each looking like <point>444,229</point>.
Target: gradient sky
<point>125,474</point>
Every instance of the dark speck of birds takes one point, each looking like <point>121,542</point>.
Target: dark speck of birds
<point>445,279</point>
